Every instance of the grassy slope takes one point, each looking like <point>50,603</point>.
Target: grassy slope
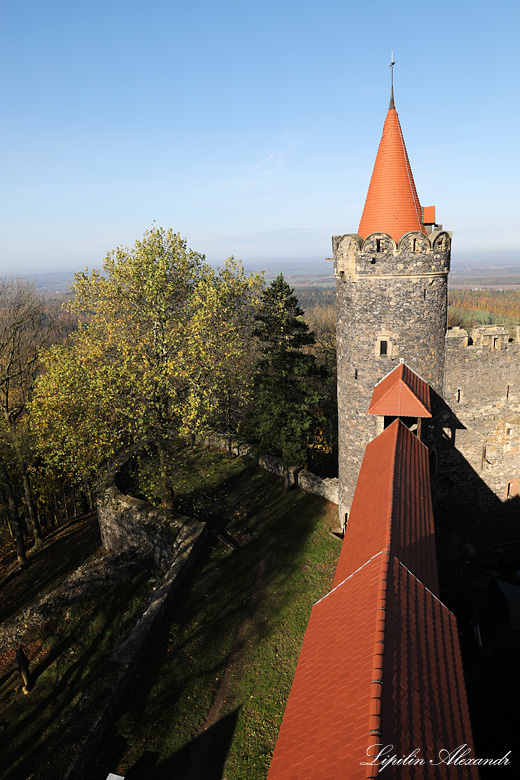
<point>234,635</point>
<point>481,317</point>
<point>63,551</point>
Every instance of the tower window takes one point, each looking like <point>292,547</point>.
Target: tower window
<point>383,348</point>
<point>507,393</point>
<point>355,373</point>
<point>458,396</point>
<point>378,244</point>
<point>414,245</point>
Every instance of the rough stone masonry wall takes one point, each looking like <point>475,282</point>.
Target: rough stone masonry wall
<point>326,487</point>
<point>96,710</point>
<point>483,392</point>
<point>128,523</point>
<point>397,295</point>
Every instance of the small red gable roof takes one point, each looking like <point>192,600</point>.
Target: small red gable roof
<point>392,204</point>
<point>402,393</point>
<point>391,508</point>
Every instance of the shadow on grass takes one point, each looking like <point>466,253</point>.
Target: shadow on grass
<point>62,552</point>
<point>33,741</point>
<point>203,758</point>
<point>179,678</point>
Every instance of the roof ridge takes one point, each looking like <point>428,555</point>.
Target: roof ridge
<point>401,363</point>
<point>399,561</point>
<point>381,552</point>
<point>414,372</point>
<point>398,424</point>
<point>376,683</point>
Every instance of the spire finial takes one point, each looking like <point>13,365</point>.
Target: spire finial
<point>391,66</point>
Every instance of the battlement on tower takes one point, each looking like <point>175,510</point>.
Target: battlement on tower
<point>415,254</point>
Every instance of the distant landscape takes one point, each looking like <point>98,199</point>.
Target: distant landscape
<point>302,273</point>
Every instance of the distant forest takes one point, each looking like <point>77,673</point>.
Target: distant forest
<point>467,308</point>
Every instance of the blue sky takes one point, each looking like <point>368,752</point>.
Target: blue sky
<point>251,129</point>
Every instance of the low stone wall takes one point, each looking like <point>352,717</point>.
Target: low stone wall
<point>326,487</point>
<point>85,730</point>
<point>128,523</point>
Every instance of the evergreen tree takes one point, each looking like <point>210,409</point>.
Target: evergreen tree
<point>286,378</point>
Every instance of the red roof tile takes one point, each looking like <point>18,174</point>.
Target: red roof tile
<point>402,393</point>
<point>392,205</point>
<point>385,653</point>
<point>391,508</point>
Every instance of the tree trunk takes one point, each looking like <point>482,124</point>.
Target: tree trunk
<point>14,518</point>
<point>166,489</point>
<point>65,503</point>
<point>286,483</point>
<point>55,511</point>
<point>31,506</point>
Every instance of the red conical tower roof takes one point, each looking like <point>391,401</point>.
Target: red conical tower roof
<point>392,205</point>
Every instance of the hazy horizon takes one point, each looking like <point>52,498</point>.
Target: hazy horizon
<point>253,134</point>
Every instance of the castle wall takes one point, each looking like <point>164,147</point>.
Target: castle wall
<point>483,393</point>
<point>390,294</point>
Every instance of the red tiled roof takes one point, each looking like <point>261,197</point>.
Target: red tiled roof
<point>424,700</point>
<point>428,215</point>
<point>392,205</point>
<point>380,665</point>
<point>324,733</point>
<point>402,393</point>
<point>391,508</point>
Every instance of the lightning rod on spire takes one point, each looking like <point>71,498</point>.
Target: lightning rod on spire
<point>391,66</point>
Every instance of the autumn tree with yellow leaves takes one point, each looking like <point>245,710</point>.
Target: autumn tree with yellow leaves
<point>164,343</point>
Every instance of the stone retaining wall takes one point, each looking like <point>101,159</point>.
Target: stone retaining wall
<point>85,730</point>
<point>326,487</point>
<point>128,523</point>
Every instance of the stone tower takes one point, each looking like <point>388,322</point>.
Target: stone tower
<point>391,283</point>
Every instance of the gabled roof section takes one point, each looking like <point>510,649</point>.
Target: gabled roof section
<point>392,509</point>
<point>424,696</point>
<point>325,728</point>
<point>402,393</point>
<point>380,664</point>
<point>392,205</point>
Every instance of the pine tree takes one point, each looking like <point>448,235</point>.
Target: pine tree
<point>286,379</point>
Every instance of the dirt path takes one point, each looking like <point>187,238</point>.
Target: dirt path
<point>201,753</point>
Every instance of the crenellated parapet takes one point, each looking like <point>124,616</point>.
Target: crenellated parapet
<point>487,338</point>
<point>378,255</point>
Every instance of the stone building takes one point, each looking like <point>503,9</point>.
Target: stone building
<point>391,279</point>
<point>391,282</point>
<point>480,444</point>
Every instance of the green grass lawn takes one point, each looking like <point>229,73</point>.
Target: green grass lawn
<point>226,654</point>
